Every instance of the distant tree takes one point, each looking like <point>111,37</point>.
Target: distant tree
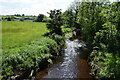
<point>39,18</point>
<point>2,18</point>
<point>8,19</point>
<point>56,21</point>
<point>17,15</point>
<point>23,15</point>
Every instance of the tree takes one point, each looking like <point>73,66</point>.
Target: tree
<point>74,6</point>
<point>23,15</point>
<point>17,15</point>
<point>56,22</point>
<point>69,18</point>
<point>11,18</point>
<point>8,19</point>
<point>39,18</point>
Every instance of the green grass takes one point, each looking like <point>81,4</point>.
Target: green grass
<point>25,47</point>
<point>18,34</point>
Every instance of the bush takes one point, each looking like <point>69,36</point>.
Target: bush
<point>22,19</point>
<point>46,19</point>
<point>11,18</point>
<point>105,55</point>
<point>66,30</point>
<point>8,19</point>
<point>111,67</point>
<point>39,18</point>
<point>29,56</point>
<point>55,23</point>
<point>105,65</point>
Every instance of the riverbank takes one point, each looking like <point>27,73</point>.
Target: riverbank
<point>73,63</point>
<point>24,62</point>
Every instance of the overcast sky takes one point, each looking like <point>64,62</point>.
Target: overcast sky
<point>32,7</point>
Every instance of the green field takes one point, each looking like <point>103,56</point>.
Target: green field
<point>25,47</point>
<point>17,34</point>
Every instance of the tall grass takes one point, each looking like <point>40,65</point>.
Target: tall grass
<point>17,34</point>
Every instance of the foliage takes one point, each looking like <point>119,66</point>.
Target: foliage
<point>100,28</point>
<point>22,53</point>
<point>99,23</point>
<point>69,18</point>
<point>55,23</point>
<point>105,42</point>
<point>39,18</point>
<point>22,19</point>
<point>111,66</point>
<point>107,36</point>
<point>105,65</point>
<point>23,14</point>
<point>59,39</point>
<point>17,15</point>
<point>66,29</point>
<point>29,56</point>
<point>88,18</point>
<point>8,19</point>
<point>46,19</point>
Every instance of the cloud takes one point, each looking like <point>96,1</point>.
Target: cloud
<point>48,5</point>
<point>32,7</point>
<point>2,7</point>
<point>27,11</point>
<point>20,1</point>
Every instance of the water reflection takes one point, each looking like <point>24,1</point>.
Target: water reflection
<point>72,65</point>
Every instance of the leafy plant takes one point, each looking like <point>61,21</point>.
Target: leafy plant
<point>29,56</point>
<point>56,22</point>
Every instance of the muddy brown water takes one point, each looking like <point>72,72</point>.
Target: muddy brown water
<point>72,64</point>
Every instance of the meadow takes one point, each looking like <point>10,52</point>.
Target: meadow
<point>18,33</point>
<point>25,48</point>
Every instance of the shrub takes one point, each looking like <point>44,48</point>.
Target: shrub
<point>39,18</point>
<point>55,23</point>
<point>66,30</point>
<point>105,65</point>
<point>29,56</point>
<point>8,19</point>
<point>22,19</point>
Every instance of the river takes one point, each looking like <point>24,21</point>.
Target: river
<point>73,63</point>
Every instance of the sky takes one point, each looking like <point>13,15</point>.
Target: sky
<point>32,7</point>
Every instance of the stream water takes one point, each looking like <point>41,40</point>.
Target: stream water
<point>73,63</point>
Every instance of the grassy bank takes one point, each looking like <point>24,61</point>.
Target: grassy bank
<point>26,50</point>
<point>30,58</point>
